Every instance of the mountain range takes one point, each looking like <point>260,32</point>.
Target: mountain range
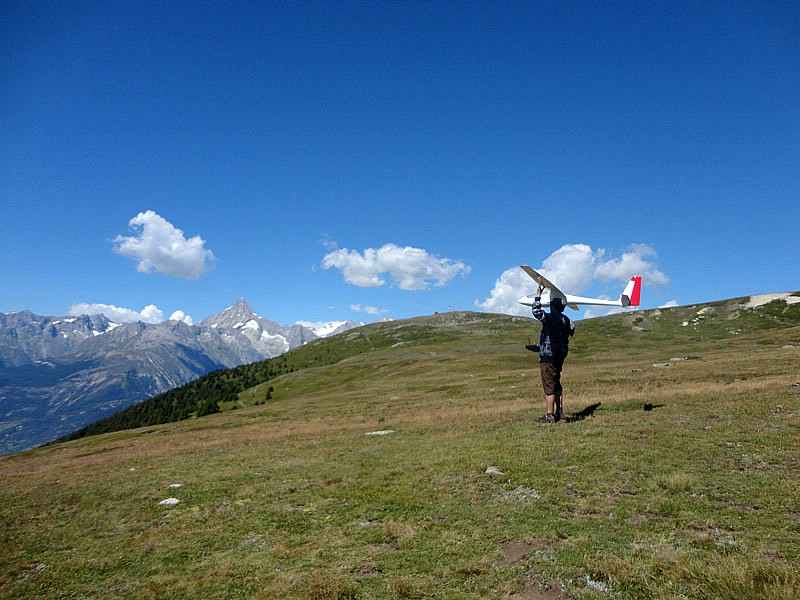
<point>58,374</point>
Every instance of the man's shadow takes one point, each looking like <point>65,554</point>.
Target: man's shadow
<point>580,416</point>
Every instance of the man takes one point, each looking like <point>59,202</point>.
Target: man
<point>553,348</point>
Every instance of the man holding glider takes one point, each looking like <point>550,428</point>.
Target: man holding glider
<point>557,328</point>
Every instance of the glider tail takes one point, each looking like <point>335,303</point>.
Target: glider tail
<point>633,292</point>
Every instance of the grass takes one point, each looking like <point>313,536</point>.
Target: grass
<point>695,498</point>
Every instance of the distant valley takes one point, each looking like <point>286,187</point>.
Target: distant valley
<point>58,374</point>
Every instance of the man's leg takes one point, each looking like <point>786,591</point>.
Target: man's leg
<point>550,417</point>
<point>559,392</point>
<point>550,402</point>
<point>548,384</point>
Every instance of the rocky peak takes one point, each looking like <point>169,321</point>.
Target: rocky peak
<point>232,317</point>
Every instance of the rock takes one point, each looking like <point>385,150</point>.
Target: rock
<point>523,493</point>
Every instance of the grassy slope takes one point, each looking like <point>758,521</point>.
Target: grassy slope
<point>696,498</point>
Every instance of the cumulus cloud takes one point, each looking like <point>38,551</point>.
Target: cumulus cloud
<point>158,245</point>
<point>152,314</point>
<point>409,268</point>
<point>117,314</point>
<point>179,315</point>
<point>512,284</point>
<point>149,314</point>
<point>574,268</point>
<point>632,262</point>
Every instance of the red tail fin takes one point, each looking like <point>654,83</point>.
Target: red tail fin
<point>636,293</point>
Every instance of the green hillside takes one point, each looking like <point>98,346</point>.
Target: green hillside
<point>220,390</point>
<point>401,460</point>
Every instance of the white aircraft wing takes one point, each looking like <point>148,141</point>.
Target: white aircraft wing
<point>546,283</point>
<point>542,281</point>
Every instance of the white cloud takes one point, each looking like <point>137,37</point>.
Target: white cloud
<point>179,315</point>
<point>117,314</point>
<point>574,268</point>
<point>152,314</point>
<point>158,245</point>
<point>410,268</point>
<point>632,262</point>
<point>370,310</point>
<point>512,284</point>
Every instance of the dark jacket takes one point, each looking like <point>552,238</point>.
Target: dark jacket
<point>556,331</point>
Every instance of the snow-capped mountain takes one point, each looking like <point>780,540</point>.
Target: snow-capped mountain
<point>253,336</point>
<point>330,328</point>
<point>58,374</point>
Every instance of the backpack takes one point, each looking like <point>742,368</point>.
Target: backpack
<point>558,330</point>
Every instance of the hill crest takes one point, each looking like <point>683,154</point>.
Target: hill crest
<point>704,322</point>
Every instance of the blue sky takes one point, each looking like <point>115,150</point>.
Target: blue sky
<point>361,160</point>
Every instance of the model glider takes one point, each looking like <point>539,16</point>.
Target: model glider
<point>629,296</point>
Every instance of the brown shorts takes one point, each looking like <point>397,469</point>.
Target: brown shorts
<point>551,378</point>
